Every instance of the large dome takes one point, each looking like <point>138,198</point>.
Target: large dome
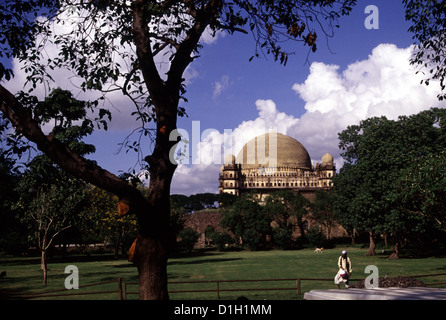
<point>289,152</point>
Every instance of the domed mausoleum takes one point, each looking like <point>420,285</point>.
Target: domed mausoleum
<point>274,161</point>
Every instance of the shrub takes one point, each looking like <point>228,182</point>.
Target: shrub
<point>221,239</point>
<point>188,238</point>
<point>282,237</point>
<point>315,237</point>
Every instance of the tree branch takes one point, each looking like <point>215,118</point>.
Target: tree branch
<point>183,55</point>
<point>153,81</point>
<point>70,161</point>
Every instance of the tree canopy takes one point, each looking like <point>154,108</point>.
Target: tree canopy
<point>428,20</point>
<point>379,185</point>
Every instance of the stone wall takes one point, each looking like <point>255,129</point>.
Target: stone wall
<point>200,220</point>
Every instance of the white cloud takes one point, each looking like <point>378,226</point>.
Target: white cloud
<point>383,85</point>
<point>209,37</point>
<point>220,86</point>
<point>194,179</point>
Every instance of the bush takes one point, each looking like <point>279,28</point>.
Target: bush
<point>282,237</point>
<point>188,238</point>
<point>316,238</point>
<point>220,239</point>
<point>252,239</point>
<point>13,243</point>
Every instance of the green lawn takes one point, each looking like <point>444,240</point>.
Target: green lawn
<point>24,275</point>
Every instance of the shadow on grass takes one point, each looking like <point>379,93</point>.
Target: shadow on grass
<point>19,260</point>
<point>201,261</point>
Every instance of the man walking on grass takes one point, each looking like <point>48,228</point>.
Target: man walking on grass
<point>345,270</point>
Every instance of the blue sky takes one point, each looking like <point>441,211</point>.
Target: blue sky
<point>363,73</point>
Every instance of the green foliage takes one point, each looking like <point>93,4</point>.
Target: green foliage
<point>104,222</point>
<point>282,237</point>
<point>188,238</point>
<point>387,169</point>
<point>220,239</point>
<point>423,188</point>
<point>428,19</point>
<point>282,205</point>
<point>286,210</point>
<point>18,29</point>
<point>316,238</point>
<point>200,201</point>
<point>64,114</point>
<point>247,220</point>
<point>323,209</point>
<point>13,235</point>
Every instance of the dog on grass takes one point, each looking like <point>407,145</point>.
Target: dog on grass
<point>318,250</point>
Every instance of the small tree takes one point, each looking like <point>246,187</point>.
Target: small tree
<point>287,209</point>
<point>248,221</point>
<point>322,209</point>
<point>189,238</point>
<point>51,198</point>
<point>282,237</point>
<point>221,239</point>
<point>316,237</point>
<point>49,210</point>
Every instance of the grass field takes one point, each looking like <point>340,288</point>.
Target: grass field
<point>24,275</point>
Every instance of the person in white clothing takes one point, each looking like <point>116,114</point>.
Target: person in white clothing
<point>345,270</point>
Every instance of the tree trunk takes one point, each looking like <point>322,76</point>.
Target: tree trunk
<point>301,226</point>
<point>154,237</point>
<point>353,235</point>
<point>43,266</point>
<point>118,243</point>
<point>151,260</point>
<point>116,249</point>
<point>153,244</point>
<point>396,252</point>
<point>372,246</point>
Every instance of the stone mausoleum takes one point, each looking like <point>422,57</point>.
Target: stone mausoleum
<point>272,162</point>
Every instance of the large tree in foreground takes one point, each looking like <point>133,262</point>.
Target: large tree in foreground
<point>114,46</point>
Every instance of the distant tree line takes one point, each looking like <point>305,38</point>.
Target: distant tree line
<point>201,201</point>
